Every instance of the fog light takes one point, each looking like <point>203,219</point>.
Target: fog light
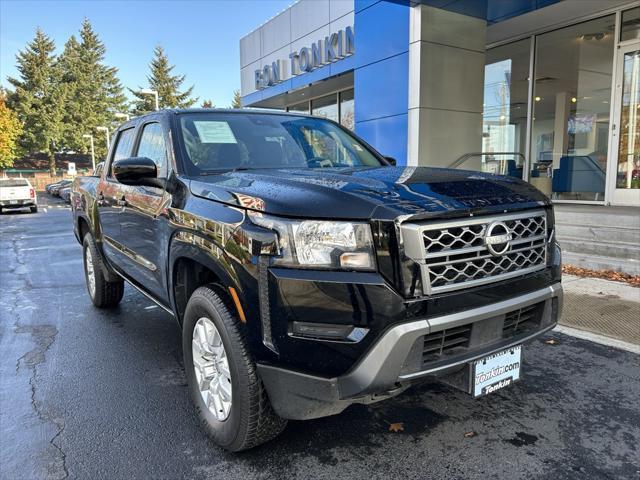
<point>328,331</point>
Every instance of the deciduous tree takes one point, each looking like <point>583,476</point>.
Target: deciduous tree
<point>10,130</point>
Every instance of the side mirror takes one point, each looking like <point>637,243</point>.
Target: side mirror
<point>137,171</point>
<point>391,160</point>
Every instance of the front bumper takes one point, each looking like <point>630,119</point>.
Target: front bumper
<point>394,361</point>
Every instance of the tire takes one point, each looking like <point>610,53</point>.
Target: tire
<point>250,420</point>
<point>105,294</point>
<point>33,209</point>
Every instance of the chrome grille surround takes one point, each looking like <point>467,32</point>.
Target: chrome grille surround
<point>454,254</point>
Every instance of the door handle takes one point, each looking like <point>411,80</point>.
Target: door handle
<point>122,202</point>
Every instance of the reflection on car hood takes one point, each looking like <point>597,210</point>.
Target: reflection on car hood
<point>365,193</point>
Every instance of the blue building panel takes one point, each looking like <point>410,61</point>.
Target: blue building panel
<point>382,31</point>
<point>359,5</point>
<point>382,88</point>
<point>388,135</point>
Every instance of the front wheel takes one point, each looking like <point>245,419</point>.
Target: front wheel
<point>103,294</point>
<point>228,394</point>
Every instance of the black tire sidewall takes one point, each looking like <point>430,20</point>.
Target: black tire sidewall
<point>224,433</point>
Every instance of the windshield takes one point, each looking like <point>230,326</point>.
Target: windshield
<point>223,141</point>
<point>11,182</point>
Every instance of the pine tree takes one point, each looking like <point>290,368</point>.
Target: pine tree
<point>167,86</point>
<point>207,104</point>
<point>10,131</point>
<point>95,93</point>
<point>237,101</point>
<point>39,97</point>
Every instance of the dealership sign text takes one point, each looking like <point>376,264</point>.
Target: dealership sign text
<point>334,47</point>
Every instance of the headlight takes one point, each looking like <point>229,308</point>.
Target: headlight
<point>320,244</point>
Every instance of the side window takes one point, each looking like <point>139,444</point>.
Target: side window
<point>152,146</point>
<point>124,144</point>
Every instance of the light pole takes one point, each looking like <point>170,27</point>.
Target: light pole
<point>93,153</point>
<point>126,116</point>
<point>106,133</point>
<point>148,91</point>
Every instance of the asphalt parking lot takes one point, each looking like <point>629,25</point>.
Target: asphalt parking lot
<point>102,394</point>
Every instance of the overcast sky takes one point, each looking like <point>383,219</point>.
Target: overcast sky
<point>201,37</point>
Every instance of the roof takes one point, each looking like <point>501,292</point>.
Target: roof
<point>243,111</point>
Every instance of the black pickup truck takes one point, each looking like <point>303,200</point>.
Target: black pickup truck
<point>307,272</point>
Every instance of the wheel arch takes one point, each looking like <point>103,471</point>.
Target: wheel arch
<point>192,265</point>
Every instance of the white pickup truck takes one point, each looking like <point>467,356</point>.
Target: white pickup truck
<point>17,193</point>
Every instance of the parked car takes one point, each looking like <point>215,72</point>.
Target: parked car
<point>17,193</point>
<point>48,187</point>
<point>55,189</point>
<point>65,194</point>
<point>306,272</point>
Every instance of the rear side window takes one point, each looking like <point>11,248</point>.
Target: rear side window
<point>152,146</point>
<point>124,144</point>
<point>14,182</point>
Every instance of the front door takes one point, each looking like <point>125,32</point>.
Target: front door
<point>144,230</point>
<point>625,169</point>
<point>109,199</point>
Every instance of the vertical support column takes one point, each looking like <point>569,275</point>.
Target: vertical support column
<point>560,131</point>
<point>380,75</point>
<point>446,86</point>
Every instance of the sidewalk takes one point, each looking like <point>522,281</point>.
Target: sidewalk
<point>602,307</point>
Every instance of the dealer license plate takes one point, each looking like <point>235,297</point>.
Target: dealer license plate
<point>496,371</point>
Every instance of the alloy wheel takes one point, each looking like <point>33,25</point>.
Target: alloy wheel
<point>211,367</point>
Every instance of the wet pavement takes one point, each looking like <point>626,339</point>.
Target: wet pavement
<point>102,394</point>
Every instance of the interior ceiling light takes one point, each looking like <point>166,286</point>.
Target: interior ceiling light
<point>592,36</point>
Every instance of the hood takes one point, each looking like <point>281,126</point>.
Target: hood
<point>382,193</point>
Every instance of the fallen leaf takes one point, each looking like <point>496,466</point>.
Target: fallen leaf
<point>633,280</point>
<point>469,434</point>
<point>551,341</point>
<point>396,427</point>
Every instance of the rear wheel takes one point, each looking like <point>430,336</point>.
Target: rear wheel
<point>34,209</point>
<point>103,294</point>
<point>228,394</point>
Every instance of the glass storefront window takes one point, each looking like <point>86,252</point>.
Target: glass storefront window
<point>504,116</point>
<point>630,28</point>
<point>299,108</point>
<point>326,107</point>
<point>347,117</point>
<point>629,144</point>
<point>572,91</point>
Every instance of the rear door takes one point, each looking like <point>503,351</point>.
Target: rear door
<point>143,226</point>
<point>109,199</point>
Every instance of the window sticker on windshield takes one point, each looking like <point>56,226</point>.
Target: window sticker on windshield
<point>214,132</point>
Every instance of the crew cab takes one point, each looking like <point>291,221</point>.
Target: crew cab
<point>307,272</point>
<point>17,193</point>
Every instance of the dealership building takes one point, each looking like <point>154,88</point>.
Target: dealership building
<point>544,90</point>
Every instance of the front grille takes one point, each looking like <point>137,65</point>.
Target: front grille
<point>462,253</point>
<point>459,340</point>
<point>448,342</point>
<point>524,320</point>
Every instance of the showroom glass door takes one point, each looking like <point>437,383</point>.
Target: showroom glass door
<point>626,130</point>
